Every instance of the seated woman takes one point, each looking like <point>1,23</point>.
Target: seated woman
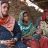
<point>26,26</point>
<point>10,33</point>
<point>38,40</point>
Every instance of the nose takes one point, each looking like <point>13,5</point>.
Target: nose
<point>6,9</point>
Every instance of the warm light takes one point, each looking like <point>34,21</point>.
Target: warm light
<point>29,3</point>
<point>22,0</point>
<point>9,2</point>
<point>41,10</point>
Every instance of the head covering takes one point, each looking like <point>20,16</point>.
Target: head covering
<point>4,1</point>
<point>24,28</point>
<point>3,20</point>
<point>44,14</point>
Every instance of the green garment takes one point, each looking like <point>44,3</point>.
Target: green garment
<point>27,30</point>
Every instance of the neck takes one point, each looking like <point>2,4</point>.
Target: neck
<point>2,17</point>
<point>26,23</point>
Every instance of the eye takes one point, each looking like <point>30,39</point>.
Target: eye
<point>4,7</point>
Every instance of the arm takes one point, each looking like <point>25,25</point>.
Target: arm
<point>17,32</point>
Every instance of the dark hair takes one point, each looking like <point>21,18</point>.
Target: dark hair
<point>25,13</point>
<point>4,1</point>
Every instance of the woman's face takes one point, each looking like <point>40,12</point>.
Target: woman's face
<point>26,17</point>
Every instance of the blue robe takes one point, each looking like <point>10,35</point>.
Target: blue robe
<point>6,35</point>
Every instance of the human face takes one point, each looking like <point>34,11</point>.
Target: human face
<point>4,9</point>
<point>26,17</point>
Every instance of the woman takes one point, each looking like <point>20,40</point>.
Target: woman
<point>26,26</point>
<point>44,23</point>
<point>10,33</point>
<point>38,40</point>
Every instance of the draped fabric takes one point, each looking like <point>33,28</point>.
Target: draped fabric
<point>9,29</point>
<point>44,27</point>
<point>26,29</point>
<point>42,43</point>
<point>45,13</point>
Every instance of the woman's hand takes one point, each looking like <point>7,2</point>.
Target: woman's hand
<point>9,42</point>
<point>28,37</point>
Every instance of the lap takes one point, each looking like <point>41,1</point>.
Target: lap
<point>20,45</point>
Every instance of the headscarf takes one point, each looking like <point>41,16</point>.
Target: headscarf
<point>26,30</point>
<point>44,14</point>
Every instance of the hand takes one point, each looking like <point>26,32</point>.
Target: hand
<point>36,37</point>
<point>28,37</point>
<point>9,42</point>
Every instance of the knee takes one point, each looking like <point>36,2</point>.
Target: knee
<point>20,45</point>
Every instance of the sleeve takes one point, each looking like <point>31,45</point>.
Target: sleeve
<point>17,31</point>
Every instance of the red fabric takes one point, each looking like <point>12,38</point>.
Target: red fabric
<point>3,20</point>
<point>43,43</point>
<point>7,22</point>
<point>34,44</point>
<point>45,13</point>
<point>43,18</point>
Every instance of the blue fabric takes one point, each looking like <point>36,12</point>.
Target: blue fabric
<point>20,45</point>
<point>3,46</point>
<point>17,31</point>
<point>6,35</point>
<point>17,34</point>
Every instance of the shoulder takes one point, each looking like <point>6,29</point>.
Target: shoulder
<point>11,17</point>
<point>16,24</point>
<point>42,22</point>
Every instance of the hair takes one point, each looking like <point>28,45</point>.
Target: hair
<point>4,1</point>
<point>28,14</point>
<point>25,13</point>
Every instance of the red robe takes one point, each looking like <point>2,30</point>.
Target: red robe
<point>42,43</point>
